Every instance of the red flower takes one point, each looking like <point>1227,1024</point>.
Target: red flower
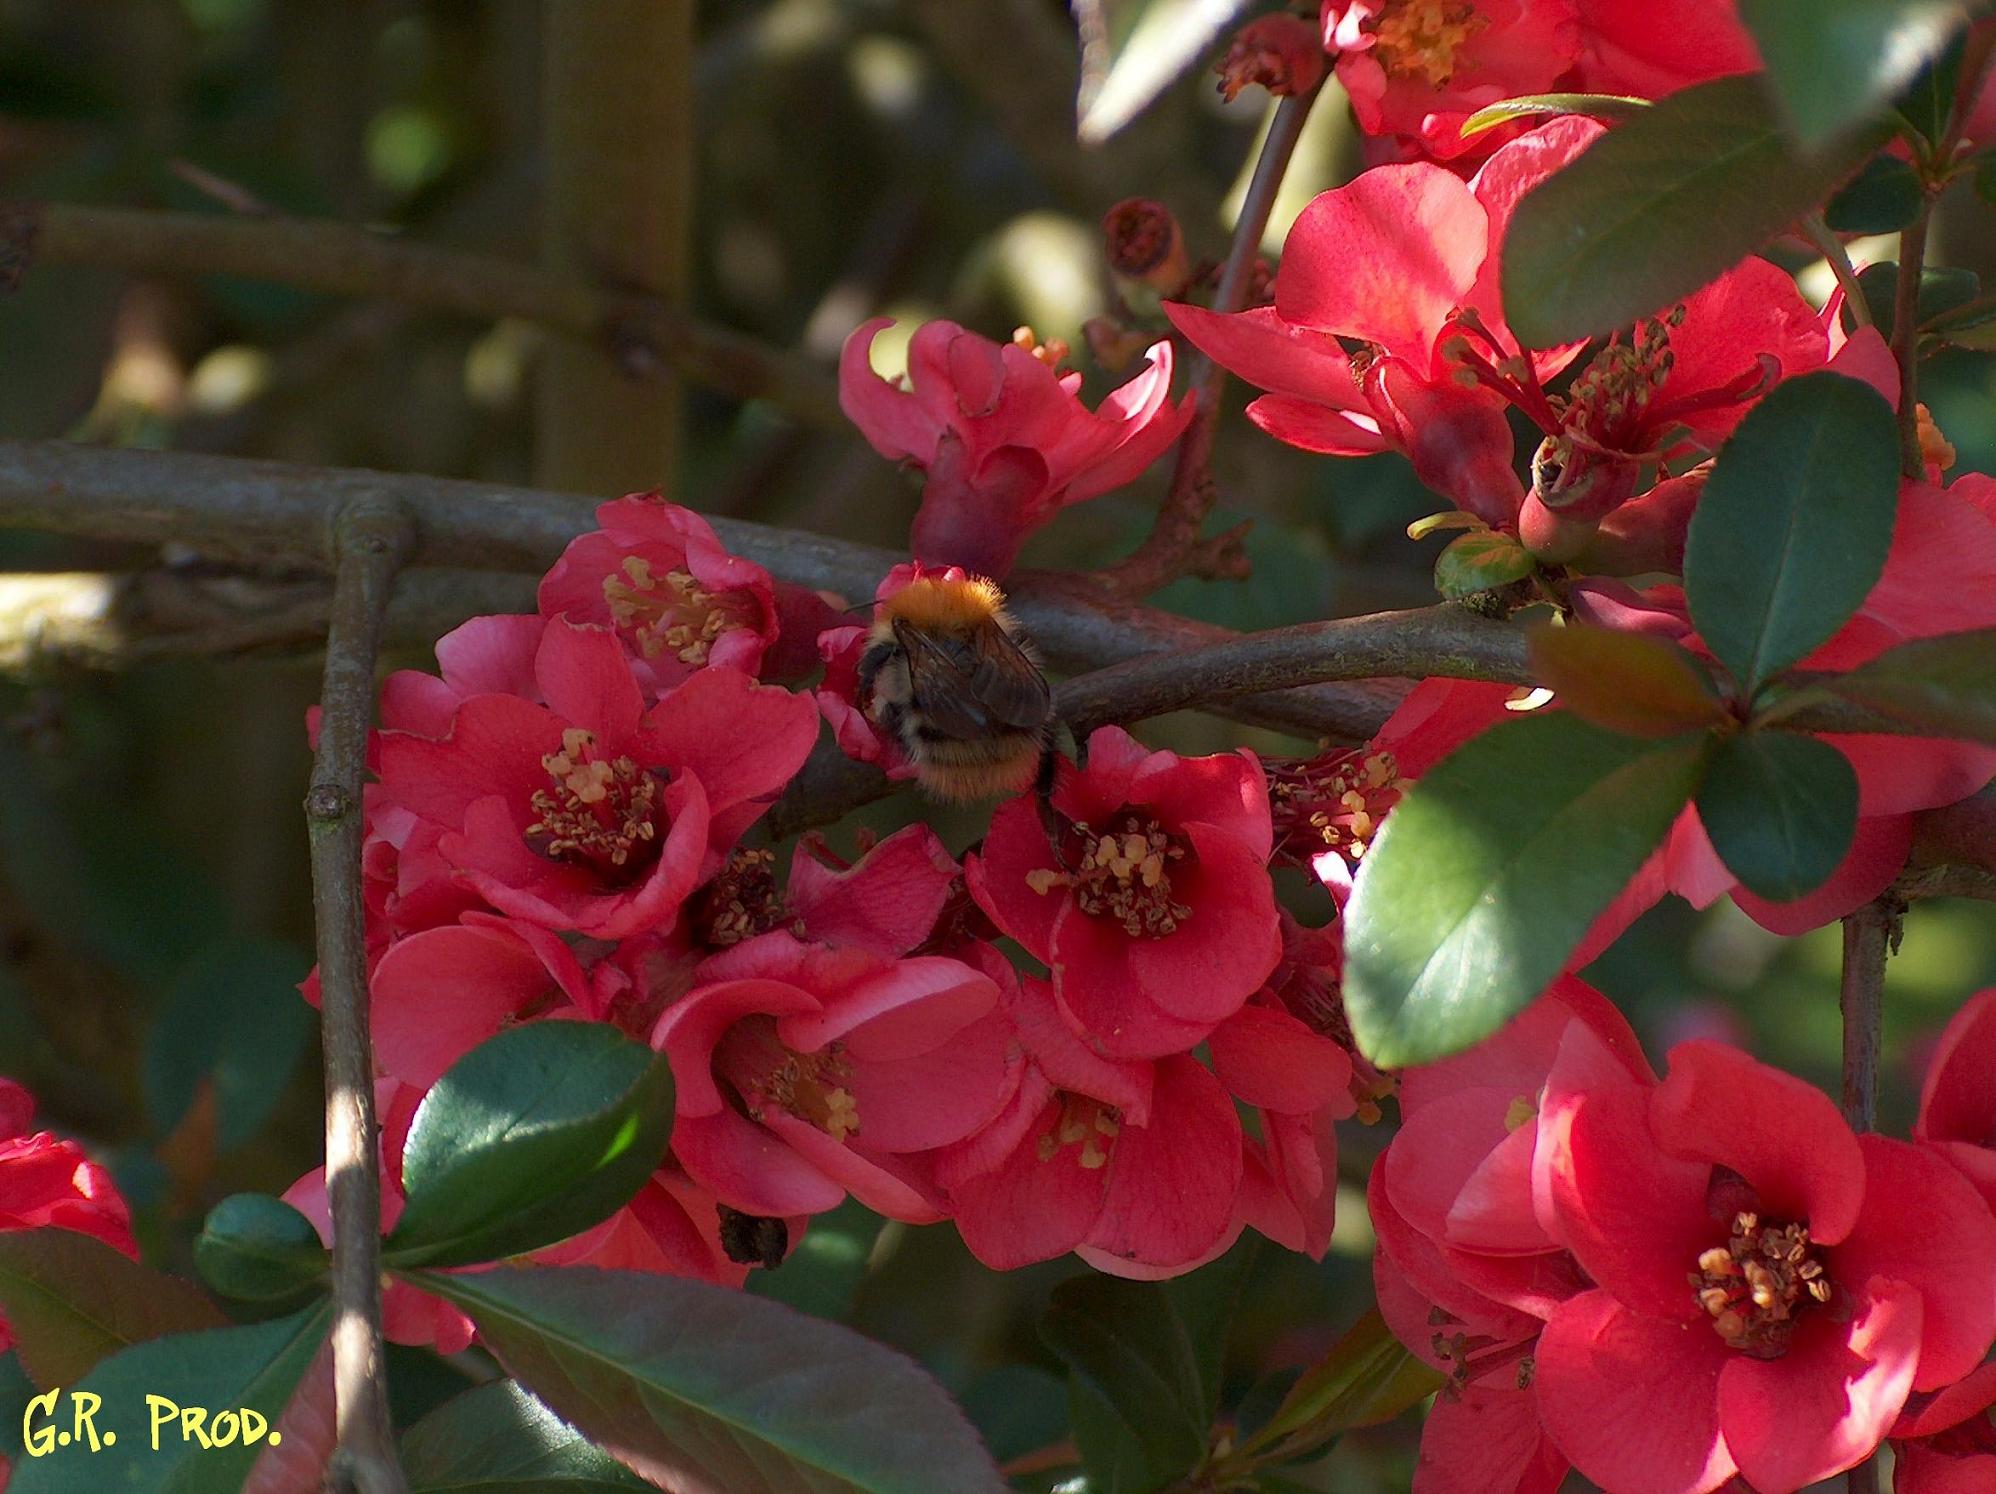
<point>1419,68</point>
<point>1157,917</point>
<point>1003,440</point>
<point>1765,1299</point>
<point>590,814</point>
<point>437,994</point>
<point>1944,1442</point>
<point>1280,52</point>
<point>1403,263</point>
<point>1136,1166</point>
<point>48,1183</point>
<point>806,1073</point>
<point>1651,48</point>
<point>656,575</point>
<point>672,1227</point>
<point>1958,1100</point>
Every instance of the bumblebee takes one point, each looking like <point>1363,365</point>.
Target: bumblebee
<point>751,1239</point>
<point>948,674</point>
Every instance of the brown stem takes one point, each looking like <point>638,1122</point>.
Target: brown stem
<point>370,539</point>
<point>1906,340</point>
<point>1867,935</point>
<point>337,259</point>
<point>1173,548</point>
<point>617,151</point>
<point>256,511</point>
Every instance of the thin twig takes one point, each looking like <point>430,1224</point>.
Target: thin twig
<point>341,260</point>
<point>1867,935</point>
<point>256,511</point>
<point>1173,548</point>
<point>1838,259</point>
<point>370,539</point>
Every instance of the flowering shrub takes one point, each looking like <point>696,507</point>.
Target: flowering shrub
<point>1722,626</point>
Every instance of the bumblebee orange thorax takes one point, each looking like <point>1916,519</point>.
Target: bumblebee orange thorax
<point>939,606</point>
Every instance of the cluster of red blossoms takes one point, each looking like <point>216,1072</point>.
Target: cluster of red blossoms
<point>1704,1281</point>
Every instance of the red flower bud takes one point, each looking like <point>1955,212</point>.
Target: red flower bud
<point>1141,241</point>
<point>1283,53</point>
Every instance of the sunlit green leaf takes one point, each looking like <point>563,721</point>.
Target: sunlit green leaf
<point>1489,871</point>
<point>1834,63</point>
<point>1536,105</point>
<point>1167,37</point>
<point>533,1136</point>
<point>256,1248</point>
<point>497,1439</point>
<point>1946,685</point>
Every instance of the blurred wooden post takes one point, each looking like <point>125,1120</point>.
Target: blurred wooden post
<point>617,163</point>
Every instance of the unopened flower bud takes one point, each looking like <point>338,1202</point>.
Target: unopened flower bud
<point>1283,53</point>
<point>1141,240</point>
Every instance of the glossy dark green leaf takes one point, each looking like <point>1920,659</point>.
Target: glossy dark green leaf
<point>1884,197</point>
<point>1541,105</point>
<point>72,1300</point>
<point>233,1019</point>
<point>1367,1377</point>
<point>1166,38</point>
<point>1794,524</point>
<point>1126,1346</point>
<point>227,1369</point>
<point>533,1136</point>
<point>1835,63</point>
<point>1486,875</point>
<point>1482,560</point>
<point>498,1439</point>
<point>1944,685</point>
<point>1780,809</point>
<point>256,1248</point>
<point>689,1383</point>
<point>1658,207</point>
<point>1944,290</point>
<point>1926,104</point>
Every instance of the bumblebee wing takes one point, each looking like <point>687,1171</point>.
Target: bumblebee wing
<point>1008,683</point>
<point>939,686</point>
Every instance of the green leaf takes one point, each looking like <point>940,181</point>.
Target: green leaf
<point>256,1367</point>
<point>1167,37</point>
<point>1928,102</point>
<point>1532,105</point>
<point>232,1018</point>
<point>1884,197</point>
<point>533,1136</point>
<point>255,1248</point>
<point>696,1384</point>
<point>497,1439</point>
<point>1487,873</point>
<point>821,1275</point>
<point>1368,1377</point>
<point>1780,810</point>
<point>1944,289</point>
<point>1794,524</point>
<point>73,1300</point>
<point>1834,63</point>
<point>1481,560</point>
<point>1125,1345</point>
<point>1945,685</point>
<point>1627,682</point>
<point>1658,207</point>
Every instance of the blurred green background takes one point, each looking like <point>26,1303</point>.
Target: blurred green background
<point>853,157</point>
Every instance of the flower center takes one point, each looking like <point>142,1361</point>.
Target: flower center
<point>671,614</point>
<point>1053,352</point>
<point>1419,39</point>
<point>743,900</point>
<point>1124,874</point>
<point>1332,803</point>
<point>599,810</point>
<point>807,1085</point>
<point>1754,1285</point>
<point>1083,1122</point>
